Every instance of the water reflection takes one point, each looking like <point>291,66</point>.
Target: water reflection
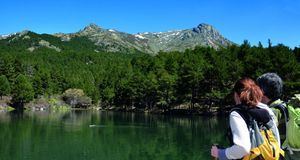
<point>107,135</point>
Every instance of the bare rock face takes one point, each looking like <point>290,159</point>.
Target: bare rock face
<point>44,43</point>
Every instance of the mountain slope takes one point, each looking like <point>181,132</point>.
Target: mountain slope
<point>30,41</point>
<point>179,40</point>
<point>109,40</point>
<point>96,38</point>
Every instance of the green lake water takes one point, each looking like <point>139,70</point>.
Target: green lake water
<point>93,135</point>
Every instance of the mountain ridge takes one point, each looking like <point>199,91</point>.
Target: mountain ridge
<point>112,40</point>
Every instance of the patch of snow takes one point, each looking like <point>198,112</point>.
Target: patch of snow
<point>157,33</point>
<point>7,35</point>
<point>111,30</point>
<point>4,35</point>
<point>139,36</point>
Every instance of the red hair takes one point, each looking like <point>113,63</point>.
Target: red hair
<point>248,92</point>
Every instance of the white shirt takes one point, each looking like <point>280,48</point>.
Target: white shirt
<point>241,137</point>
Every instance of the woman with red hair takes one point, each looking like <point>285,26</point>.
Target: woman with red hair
<point>247,97</point>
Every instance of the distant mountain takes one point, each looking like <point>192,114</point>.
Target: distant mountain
<point>115,41</point>
<point>203,35</point>
<point>4,36</point>
<point>179,40</point>
<point>110,40</point>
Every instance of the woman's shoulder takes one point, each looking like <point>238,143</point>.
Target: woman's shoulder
<point>239,115</point>
<point>260,115</point>
<point>237,111</point>
<point>266,107</point>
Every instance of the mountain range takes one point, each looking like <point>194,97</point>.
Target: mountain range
<point>111,40</point>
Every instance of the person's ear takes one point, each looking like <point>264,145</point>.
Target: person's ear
<point>265,100</point>
<point>237,98</point>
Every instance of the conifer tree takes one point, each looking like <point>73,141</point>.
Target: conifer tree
<point>23,91</point>
<point>4,86</point>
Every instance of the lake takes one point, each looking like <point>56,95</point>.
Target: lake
<point>97,135</point>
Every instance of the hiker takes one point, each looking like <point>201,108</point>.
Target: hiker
<point>272,87</point>
<point>247,97</point>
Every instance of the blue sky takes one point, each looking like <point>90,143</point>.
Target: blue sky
<point>237,20</point>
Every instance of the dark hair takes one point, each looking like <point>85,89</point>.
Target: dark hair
<point>271,84</point>
<point>249,93</point>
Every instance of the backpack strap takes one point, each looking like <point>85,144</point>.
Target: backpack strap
<point>250,114</point>
<point>241,110</point>
<point>283,128</point>
<point>283,110</point>
<point>257,114</point>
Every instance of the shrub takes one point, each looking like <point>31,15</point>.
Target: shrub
<point>76,98</point>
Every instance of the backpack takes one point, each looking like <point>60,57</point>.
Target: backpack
<point>264,145</point>
<point>292,142</point>
<point>282,117</point>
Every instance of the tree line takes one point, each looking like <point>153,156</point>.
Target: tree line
<point>196,76</point>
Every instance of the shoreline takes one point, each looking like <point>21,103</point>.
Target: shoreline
<point>57,103</point>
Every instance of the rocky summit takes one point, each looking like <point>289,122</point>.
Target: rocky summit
<point>202,35</point>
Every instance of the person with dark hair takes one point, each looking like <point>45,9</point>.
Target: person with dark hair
<point>271,85</point>
<point>247,97</point>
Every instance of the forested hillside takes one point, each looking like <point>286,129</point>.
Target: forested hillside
<point>199,76</point>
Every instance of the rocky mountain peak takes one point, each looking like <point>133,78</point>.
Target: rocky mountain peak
<point>91,28</point>
<point>205,28</point>
<point>24,32</point>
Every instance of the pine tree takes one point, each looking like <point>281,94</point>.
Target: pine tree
<point>23,91</point>
<point>4,86</point>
